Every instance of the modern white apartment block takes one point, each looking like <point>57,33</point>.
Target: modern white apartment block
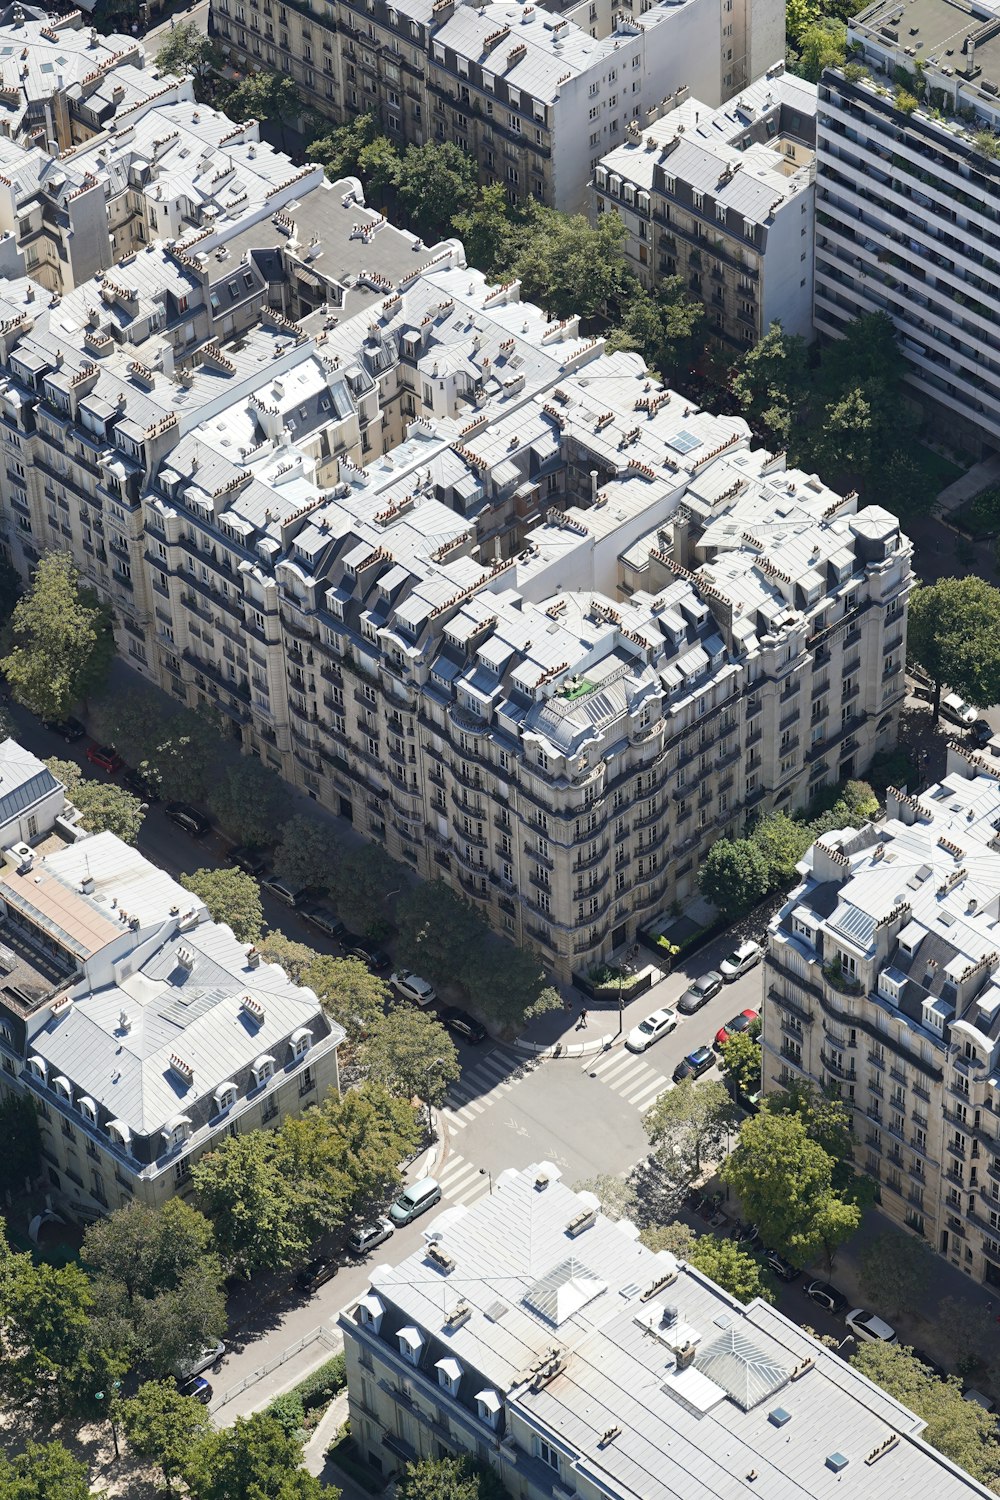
<point>547,1342</point>
<point>724,199</point>
<point>143,1032</point>
<point>535,94</point>
<point>908,202</point>
<point>883,982</point>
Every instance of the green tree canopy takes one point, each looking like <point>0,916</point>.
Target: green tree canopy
<point>44,1471</point>
<point>157,1287</point>
<point>251,802</point>
<point>782,841</point>
<point>364,879</point>
<point>665,326</point>
<point>493,232</point>
<point>254,1459</point>
<point>785,1182</point>
<point>959,1429</point>
<point>232,897</point>
<point>954,633</point>
<point>307,853</point>
<point>822,43</point>
<point>261,1217</point>
<point>265,96</point>
<point>163,1427</point>
<point>675,1237</point>
<point>434,182</point>
<point>342,150</point>
<point>104,807</point>
<point>732,1268</point>
<point>295,958</point>
<point>411,1054</point>
<point>570,267</point>
<point>771,382</point>
<point>827,1121</point>
<point>896,1271</point>
<point>349,992</point>
<point>184,50</point>
<point>449,1479</point>
<point>734,876</point>
<point>437,929</point>
<point>22,1142</point>
<point>61,642</point>
<point>688,1127</point>
<point>741,1059</point>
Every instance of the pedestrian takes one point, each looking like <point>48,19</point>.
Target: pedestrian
<point>583,1019</point>
<point>567,1004</point>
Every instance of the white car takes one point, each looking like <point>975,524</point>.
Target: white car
<point>660,1023</point>
<point>740,960</point>
<point>957,711</point>
<point>868,1328</point>
<point>412,987</point>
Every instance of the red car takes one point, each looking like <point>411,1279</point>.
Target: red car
<point>742,1022</point>
<point>102,755</point>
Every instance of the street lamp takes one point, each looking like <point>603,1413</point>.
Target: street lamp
<point>115,1387</point>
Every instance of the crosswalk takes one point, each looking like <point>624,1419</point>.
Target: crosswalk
<point>631,1077</point>
<point>462,1181</point>
<point>479,1087</point>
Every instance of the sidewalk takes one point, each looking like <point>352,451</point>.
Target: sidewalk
<point>980,477</point>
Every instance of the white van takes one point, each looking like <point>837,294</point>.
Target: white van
<point>415,1200</point>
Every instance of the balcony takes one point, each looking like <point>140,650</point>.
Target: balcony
<point>837,1068</point>
<point>838,979</point>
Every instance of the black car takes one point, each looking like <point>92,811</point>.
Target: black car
<point>464,1025</point>
<point>827,1297</point>
<point>697,1062</point>
<point>323,918</point>
<point>316,1274</point>
<point>932,1364</point>
<point>980,733</point>
<point>251,861</point>
<point>781,1267</point>
<point>188,818</point>
<point>699,992</point>
<point>140,786</point>
<point>68,729</point>
<point>364,949</point>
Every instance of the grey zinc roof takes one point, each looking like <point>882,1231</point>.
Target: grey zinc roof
<point>24,780</point>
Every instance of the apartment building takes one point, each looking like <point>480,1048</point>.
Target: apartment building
<point>724,199</point>
<point>546,1341</point>
<point>909,201</point>
<point>882,982</point>
<point>535,95</point>
<point>143,1032</point>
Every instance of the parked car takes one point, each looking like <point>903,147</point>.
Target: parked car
<point>143,787</point>
<point>283,890</point>
<point>781,1267</point>
<point>250,861</point>
<point>986,1402</point>
<point>188,818</point>
<point>368,952</point>
<point>325,920</point>
<point>196,1386</point>
<point>931,1364</point>
<point>957,711</point>
<point>697,1062</point>
<point>742,1022</point>
<point>415,1200</point>
<point>747,1235</point>
<point>68,729</point>
<point>315,1274</point>
<point>412,987</point>
<point>200,1362</point>
<point>361,1241</point>
<point>826,1296</point>
<point>660,1023</point>
<point>869,1328</point>
<point>104,756</point>
<point>741,960</point>
<point>699,992</point>
<point>464,1025</point>
<point>980,733</point>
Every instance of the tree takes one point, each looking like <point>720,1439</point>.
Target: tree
<point>411,1054</point>
<point>676,1237</point>
<point>959,1429</point>
<point>734,876</point>
<point>61,640</point>
<point>162,1426</point>
<point>295,958</point>
<point>969,1334</point>
<point>617,1196</point>
<point>10,589</point>
<point>22,1143</point>
<point>349,992</point>
<point>434,182</point>
<point>103,806</point>
<point>133,721</point>
<point>157,1283</point>
<point>253,1458</point>
<point>895,1271</point>
<point>437,931</point>
<point>449,1479</point>
<point>741,1060</point>
<point>307,853</point>
<point>687,1128</point>
<point>732,1268</point>
<point>258,1212</point>
<point>954,633</point>
<point>771,382</point>
<point>665,326</point>
<point>44,1471</point>
<point>570,267</point>
<point>184,757</point>
<point>348,1151</point>
<point>827,1121</point>
<point>342,149</point>
<point>265,96</point>
<point>185,50</point>
<point>492,231</point>
<point>364,878</point>
<point>783,841</point>
<point>250,802</point>
<point>232,897</point>
<point>822,44</point>
<point>785,1182</point>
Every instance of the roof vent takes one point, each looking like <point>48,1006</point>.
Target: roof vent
<point>837,1462</point>
<point>87,885</point>
<point>458,1315</point>
<point>541,1182</point>
<point>440,1258</point>
<point>779,1416</point>
<point>582,1221</point>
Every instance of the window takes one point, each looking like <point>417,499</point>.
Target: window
<point>548,1454</point>
<point>301,1041</point>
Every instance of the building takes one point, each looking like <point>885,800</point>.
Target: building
<point>908,198</point>
<point>882,982</point>
<point>535,94</point>
<point>143,1032</point>
<point>723,198</point>
<point>546,1341</point>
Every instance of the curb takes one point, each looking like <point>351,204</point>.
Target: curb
<point>563,1049</point>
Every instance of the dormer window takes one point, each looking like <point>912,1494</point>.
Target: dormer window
<point>119,1132</point>
<point>225,1097</point>
<point>301,1041</point>
<point>411,1342</point>
<point>263,1068</point>
<point>449,1374</point>
<point>370,1310</point>
<point>88,1109</point>
<point>489,1406</point>
<point>176,1131</point>
<point>39,1067</point>
<point>63,1086</point>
